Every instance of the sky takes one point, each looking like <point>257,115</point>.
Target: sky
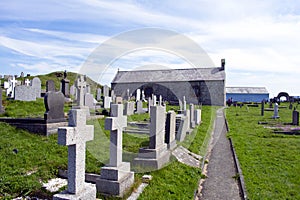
<point>260,40</point>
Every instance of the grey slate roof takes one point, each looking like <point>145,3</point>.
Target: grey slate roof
<point>172,75</point>
<point>246,90</point>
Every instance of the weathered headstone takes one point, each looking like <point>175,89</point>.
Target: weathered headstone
<point>154,100</point>
<point>54,104</point>
<point>295,118</point>
<point>160,100</point>
<point>275,116</point>
<point>129,108</point>
<point>73,90</point>
<point>198,116</point>
<point>182,127</point>
<point>89,100</point>
<point>180,104</point>
<point>192,114</point>
<point>75,137</point>
<point>80,84</point>
<point>50,86</point>
<point>99,92</point>
<point>115,177</point>
<point>156,155</point>
<point>119,100</point>
<point>184,103</point>
<point>105,91</point>
<point>25,93</point>
<point>139,107</point>
<point>170,130</point>
<point>291,106</point>
<point>113,96</point>
<point>65,87</point>
<point>143,96</point>
<point>36,86</point>
<point>106,102</point>
<point>22,75</point>
<point>127,98</point>
<point>1,106</point>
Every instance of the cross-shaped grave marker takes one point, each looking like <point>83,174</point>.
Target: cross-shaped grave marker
<point>27,82</point>
<point>13,85</point>
<point>75,137</point>
<point>80,84</point>
<point>115,124</point>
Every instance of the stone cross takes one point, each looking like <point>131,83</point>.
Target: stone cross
<point>75,137</point>
<point>27,82</point>
<point>80,84</point>
<point>13,85</point>
<point>115,124</point>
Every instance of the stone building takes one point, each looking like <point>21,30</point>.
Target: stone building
<point>198,85</point>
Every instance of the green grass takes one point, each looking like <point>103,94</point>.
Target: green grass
<point>270,162</point>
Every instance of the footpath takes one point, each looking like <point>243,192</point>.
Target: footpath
<point>220,171</point>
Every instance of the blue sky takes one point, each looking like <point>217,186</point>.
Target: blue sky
<point>259,39</point>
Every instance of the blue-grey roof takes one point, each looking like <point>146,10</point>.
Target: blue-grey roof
<point>170,75</point>
<point>246,90</point>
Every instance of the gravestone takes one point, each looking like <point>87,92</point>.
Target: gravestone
<point>116,177</point>
<point>80,84</point>
<point>262,108</point>
<point>65,84</point>
<point>119,100</point>
<point>36,86</point>
<point>184,103</point>
<point>73,90</point>
<point>170,130</point>
<point>50,86</point>
<point>113,96</point>
<point>54,104</point>
<point>139,107</point>
<point>198,116</point>
<point>27,82</point>
<point>99,92</point>
<point>192,114</point>
<point>22,75</point>
<point>88,89</point>
<point>143,96</point>
<point>180,104</point>
<point>129,108</point>
<point>182,127</point>
<point>138,95</point>
<point>75,137</point>
<point>275,116</point>
<point>25,93</point>
<point>295,118</point>
<point>160,100</point>
<point>1,106</point>
<point>154,101</point>
<point>106,102</point>
<point>89,100</point>
<point>127,98</point>
<point>11,89</point>
<point>156,155</point>
<point>105,91</point>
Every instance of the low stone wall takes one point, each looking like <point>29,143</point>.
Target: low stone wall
<point>35,125</point>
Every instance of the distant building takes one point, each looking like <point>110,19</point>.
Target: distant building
<point>247,94</point>
<point>198,85</point>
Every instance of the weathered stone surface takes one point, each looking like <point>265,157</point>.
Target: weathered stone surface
<point>89,100</point>
<point>139,107</point>
<point>295,118</point>
<point>129,108</point>
<point>54,104</point>
<point>50,86</point>
<point>25,93</point>
<point>105,91</point>
<point>198,116</point>
<point>106,102</point>
<point>192,116</point>
<point>119,100</point>
<point>99,92</point>
<point>73,90</point>
<point>65,87</point>
<point>182,127</point>
<point>170,130</point>
<point>36,85</point>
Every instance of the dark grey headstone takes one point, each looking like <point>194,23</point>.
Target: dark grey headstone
<point>99,94</point>
<point>25,93</point>
<point>50,86</point>
<point>65,85</point>
<point>54,104</point>
<point>36,85</point>
<point>262,108</point>
<point>295,118</point>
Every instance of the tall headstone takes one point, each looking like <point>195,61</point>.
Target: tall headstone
<point>154,100</point>
<point>138,95</point>
<point>80,84</point>
<point>75,137</point>
<point>36,85</point>
<point>106,102</point>
<point>127,95</point>
<point>73,90</point>
<point>180,104</point>
<point>295,118</point>
<point>99,92</point>
<point>143,96</point>
<point>105,91</point>
<point>276,115</point>
<point>115,177</point>
<point>139,107</point>
<point>1,106</point>
<point>50,86</point>
<point>89,100</point>
<point>160,100</point>
<point>198,113</point>
<point>184,103</point>
<point>54,104</point>
<point>65,86</point>
<point>25,93</point>
<point>182,127</point>
<point>192,116</point>
<point>170,130</point>
<point>156,155</point>
<point>262,108</point>
<point>113,96</point>
<point>13,83</point>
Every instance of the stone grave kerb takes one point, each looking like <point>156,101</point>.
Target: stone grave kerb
<point>75,137</point>
<point>115,124</point>
<point>80,84</point>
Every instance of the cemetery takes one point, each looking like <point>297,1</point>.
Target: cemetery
<point>107,146</point>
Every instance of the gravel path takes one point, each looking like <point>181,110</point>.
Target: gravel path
<point>220,183</point>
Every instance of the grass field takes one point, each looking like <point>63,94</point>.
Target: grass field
<point>27,160</point>
<point>270,162</point>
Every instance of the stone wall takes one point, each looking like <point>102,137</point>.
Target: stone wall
<point>205,92</point>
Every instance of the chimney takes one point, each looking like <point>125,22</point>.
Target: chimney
<point>223,64</point>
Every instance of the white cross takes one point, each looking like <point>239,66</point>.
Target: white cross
<point>80,85</point>
<point>13,85</point>
<point>75,137</point>
<point>115,124</point>
<point>27,82</point>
